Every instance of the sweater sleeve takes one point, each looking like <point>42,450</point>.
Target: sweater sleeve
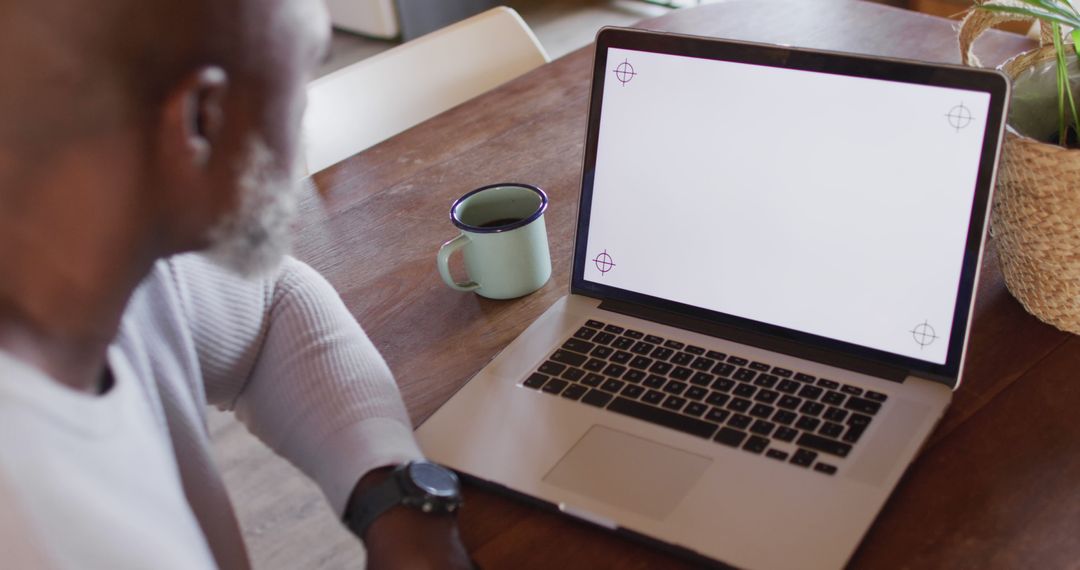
<point>285,353</point>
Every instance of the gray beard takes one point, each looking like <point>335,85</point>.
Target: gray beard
<point>253,240</point>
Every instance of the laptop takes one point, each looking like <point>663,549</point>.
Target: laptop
<point>774,272</point>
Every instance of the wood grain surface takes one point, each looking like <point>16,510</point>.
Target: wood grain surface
<point>998,484</point>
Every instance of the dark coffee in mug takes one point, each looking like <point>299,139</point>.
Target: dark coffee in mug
<point>500,222</point>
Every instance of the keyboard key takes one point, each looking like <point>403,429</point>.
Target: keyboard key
<point>738,361</point>
<point>622,343</point>
<point>641,362</point>
<point>632,391</point>
<point>695,350</point>
<point>761,411</point>
<point>766,396</point>
<point>828,384</point>
<point>825,468</point>
<point>614,329</point>
<point>740,421</point>
<point>551,368</point>
<point>776,454</point>
<point>766,380</point>
<point>702,379</point>
<point>603,338</point>
<point>823,444</point>
<point>810,392</point>
<point>568,357</point>
<point>788,386</point>
<point>784,417</point>
<point>812,408</point>
<point>653,339</point>
<point>697,393</point>
<point>613,386</point>
<point>621,357</point>
<point>744,390</point>
<point>662,417</point>
<point>675,387</point>
<point>858,419</point>
<point>682,358</point>
<point>803,458</point>
<point>876,396</point>
<point>808,424</point>
<point>573,374</point>
<point>535,381</point>
<point>716,355</point>
<point>717,399</point>
<point>862,406</point>
<point>602,351</point>
<point>578,345</point>
<point>554,386</point>
<point>654,381</point>
<point>642,348</point>
<point>653,397</point>
<point>728,436</point>
<point>660,368</point>
<point>614,371</point>
<point>760,366</point>
<point>674,344</point>
<point>829,429</point>
<point>785,434</point>
<point>635,376</point>
<point>703,364</point>
<point>662,353</point>
<point>585,333</point>
<point>835,414</point>
<point>762,427</point>
<point>833,398</point>
<point>695,409</point>
<point>597,398</point>
<point>739,405</point>
<point>636,335</point>
<point>744,375</point>
<point>681,373</point>
<point>853,433</point>
<point>595,365</point>
<point>674,403</point>
<point>723,384</point>
<point>781,372</point>
<point>804,377</point>
<point>592,379</point>
<point>717,415</point>
<point>574,392</point>
<point>723,369</point>
<point>594,324</point>
<point>853,390</point>
<point>756,444</point>
<point>789,402</point>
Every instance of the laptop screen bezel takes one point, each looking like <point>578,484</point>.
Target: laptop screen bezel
<point>992,83</point>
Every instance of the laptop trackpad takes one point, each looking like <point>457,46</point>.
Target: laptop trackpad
<point>628,472</point>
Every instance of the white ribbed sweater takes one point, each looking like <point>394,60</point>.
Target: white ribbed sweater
<point>283,352</point>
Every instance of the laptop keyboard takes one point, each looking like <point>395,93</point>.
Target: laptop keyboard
<point>782,414</point>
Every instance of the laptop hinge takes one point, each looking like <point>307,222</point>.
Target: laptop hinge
<point>767,342</point>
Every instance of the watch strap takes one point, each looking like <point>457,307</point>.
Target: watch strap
<point>376,501</point>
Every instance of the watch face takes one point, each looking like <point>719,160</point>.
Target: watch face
<point>434,479</point>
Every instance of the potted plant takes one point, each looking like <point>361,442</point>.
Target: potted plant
<point>1036,212</point>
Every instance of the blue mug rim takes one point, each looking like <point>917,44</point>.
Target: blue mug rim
<point>509,227</point>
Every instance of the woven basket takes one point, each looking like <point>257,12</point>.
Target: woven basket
<point>1036,211</point>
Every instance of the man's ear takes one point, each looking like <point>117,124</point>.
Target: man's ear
<point>194,116</point>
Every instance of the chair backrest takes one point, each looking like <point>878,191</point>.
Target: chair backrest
<point>358,106</point>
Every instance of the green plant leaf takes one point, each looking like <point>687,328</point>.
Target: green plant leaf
<point>1076,42</point>
<point>1062,7</point>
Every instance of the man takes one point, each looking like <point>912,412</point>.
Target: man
<point>132,132</point>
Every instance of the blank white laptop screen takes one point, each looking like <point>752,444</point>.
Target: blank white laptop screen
<point>832,205</point>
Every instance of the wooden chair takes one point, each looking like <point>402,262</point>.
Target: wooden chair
<point>361,105</point>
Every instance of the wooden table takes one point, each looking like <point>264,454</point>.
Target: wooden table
<point>998,484</point>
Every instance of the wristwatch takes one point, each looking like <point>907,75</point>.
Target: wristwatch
<point>422,485</point>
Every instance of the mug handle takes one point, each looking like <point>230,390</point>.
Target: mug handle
<point>443,261</point>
